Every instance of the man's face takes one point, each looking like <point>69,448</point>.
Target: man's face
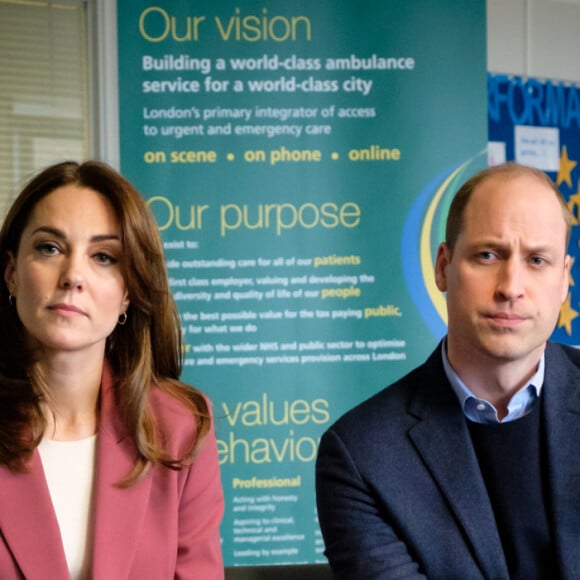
<point>508,274</point>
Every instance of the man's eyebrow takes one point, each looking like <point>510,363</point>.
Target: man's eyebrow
<point>488,243</point>
<point>60,234</point>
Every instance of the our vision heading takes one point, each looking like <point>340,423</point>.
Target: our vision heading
<point>157,24</point>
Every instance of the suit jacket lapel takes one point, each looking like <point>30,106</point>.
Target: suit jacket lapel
<point>561,393</point>
<point>119,512</point>
<point>28,523</point>
<point>442,439</point>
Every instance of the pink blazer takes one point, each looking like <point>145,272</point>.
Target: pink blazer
<point>166,526</point>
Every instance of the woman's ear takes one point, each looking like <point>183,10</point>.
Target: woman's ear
<point>10,274</point>
<point>125,303</point>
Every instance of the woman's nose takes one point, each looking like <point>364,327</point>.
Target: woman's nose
<point>72,275</point>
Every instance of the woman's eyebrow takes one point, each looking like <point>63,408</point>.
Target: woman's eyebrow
<point>60,234</point>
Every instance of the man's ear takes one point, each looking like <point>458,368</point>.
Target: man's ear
<point>441,262</point>
<point>566,286</point>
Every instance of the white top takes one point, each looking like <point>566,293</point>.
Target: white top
<point>69,468</point>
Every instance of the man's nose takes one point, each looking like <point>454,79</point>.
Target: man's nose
<point>510,283</point>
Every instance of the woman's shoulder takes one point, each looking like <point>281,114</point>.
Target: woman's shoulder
<point>174,416</point>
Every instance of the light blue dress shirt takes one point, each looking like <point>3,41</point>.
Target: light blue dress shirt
<point>482,411</point>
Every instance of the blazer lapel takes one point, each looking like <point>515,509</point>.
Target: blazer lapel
<point>119,512</point>
<point>442,439</point>
<point>561,394</point>
<point>28,523</point>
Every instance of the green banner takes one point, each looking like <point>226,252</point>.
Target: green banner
<point>299,158</point>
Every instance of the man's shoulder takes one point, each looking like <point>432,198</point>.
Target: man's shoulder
<point>390,406</point>
<point>560,349</point>
<point>561,359</point>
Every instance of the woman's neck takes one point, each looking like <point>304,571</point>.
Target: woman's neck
<point>72,385</point>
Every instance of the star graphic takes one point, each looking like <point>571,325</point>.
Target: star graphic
<point>567,315</point>
<point>566,167</point>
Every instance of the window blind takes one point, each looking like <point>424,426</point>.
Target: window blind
<point>43,89</point>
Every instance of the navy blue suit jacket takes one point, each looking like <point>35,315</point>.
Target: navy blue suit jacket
<point>400,493</point>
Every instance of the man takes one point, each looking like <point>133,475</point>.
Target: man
<point>469,467</point>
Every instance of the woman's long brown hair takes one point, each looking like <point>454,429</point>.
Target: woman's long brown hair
<point>143,352</point>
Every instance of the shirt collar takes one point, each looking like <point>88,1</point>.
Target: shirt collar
<point>482,411</point>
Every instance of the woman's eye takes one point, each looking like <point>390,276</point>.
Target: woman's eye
<point>47,248</point>
<point>104,258</point>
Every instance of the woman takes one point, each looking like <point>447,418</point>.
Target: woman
<point>108,464</point>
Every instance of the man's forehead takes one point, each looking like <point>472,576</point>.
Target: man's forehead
<point>523,202</point>
<point>515,191</point>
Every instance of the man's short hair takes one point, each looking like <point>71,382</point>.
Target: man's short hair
<point>507,171</point>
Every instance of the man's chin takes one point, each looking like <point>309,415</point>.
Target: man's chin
<point>510,349</point>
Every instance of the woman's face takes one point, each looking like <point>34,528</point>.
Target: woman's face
<point>66,277</point>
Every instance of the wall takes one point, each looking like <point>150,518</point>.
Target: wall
<point>534,38</point>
